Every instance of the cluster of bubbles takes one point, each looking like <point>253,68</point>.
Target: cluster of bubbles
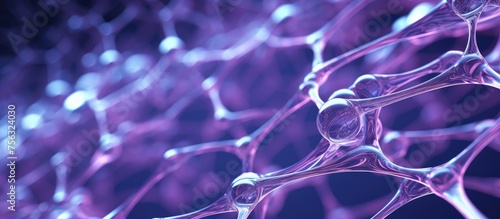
<point>124,105</point>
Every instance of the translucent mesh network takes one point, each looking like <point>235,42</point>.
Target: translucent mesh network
<point>189,109</point>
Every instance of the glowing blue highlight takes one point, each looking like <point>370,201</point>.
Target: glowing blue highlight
<point>75,100</point>
<point>169,43</point>
<point>87,81</point>
<point>32,121</point>
<point>57,87</point>
<point>109,56</point>
<point>136,63</point>
<point>399,24</point>
<point>283,12</point>
<point>418,12</point>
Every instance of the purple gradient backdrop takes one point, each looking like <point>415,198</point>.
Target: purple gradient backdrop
<point>103,89</point>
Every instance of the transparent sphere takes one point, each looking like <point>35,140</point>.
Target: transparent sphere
<point>467,8</point>
<point>395,145</point>
<point>441,179</point>
<point>367,86</point>
<point>338,121</point>
<point>470,66</point>
<point>343,93</point>
<point>243,191</point>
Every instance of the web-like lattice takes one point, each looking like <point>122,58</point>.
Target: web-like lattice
<point>225,108</point>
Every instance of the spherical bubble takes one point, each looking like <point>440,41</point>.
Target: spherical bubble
<point>367,86</point>
<point>338,121</point>
<point>75,100</point>
<point>395,145</point>
<point>244,194</point>
<point>137,62</point>
<point>467,8</point>
<point>31,121</point>
<point>109,56</point>
<point>243,191</point>
<point>169,43</point>
<point>470,66</point>
<point>343,93</point>
<point>57,87</point>
<point>441,179</point>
